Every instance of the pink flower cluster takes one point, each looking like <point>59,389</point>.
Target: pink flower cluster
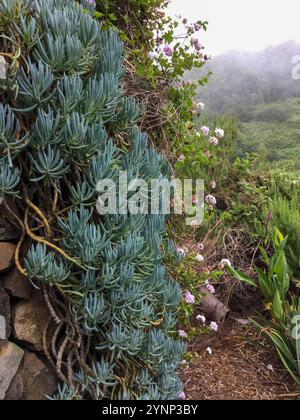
<point>189,298</point>
<point>181,252</point>
<point>219,133</point>
<point>214,326</point>
<point>225,263</point>
<point>211,200</point>
<point>205,130</point>
<point>181,396</point>
<point>201,318</point>
<point>182,334</point>
<point>213,185</point>
<point>168,50</point>
<point>200,246</point>
<point>181,158</point>
<point>191,27</point>
<point>210,287</point>
<point>91,3</point>
<point>195,42</point>
<point>214,141</point>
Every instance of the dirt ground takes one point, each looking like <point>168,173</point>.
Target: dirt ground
<point>242,366</point>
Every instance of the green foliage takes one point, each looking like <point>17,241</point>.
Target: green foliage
<point>44,266</point>
<point>9,180</point>
<point>146,30</point>
<point>202,160</point>
<point>139,21</point>
<point>286,215</point>
<point>273,131</point>
<point>274,284</point>
<point>64,125</point>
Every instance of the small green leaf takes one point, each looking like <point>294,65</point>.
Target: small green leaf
<point>241,277</point>
<point>277,308</point>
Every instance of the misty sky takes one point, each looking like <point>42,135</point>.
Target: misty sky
<point>249,25</point>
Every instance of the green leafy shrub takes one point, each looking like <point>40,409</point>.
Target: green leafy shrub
<point>281,327</point>
<point>160,49</point>
<point>64,125</point>
<point>286,215</point>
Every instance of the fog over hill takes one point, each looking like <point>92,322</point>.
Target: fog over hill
<point>241,80</point>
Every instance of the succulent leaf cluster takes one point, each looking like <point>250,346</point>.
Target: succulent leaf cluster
<point>65,124</point>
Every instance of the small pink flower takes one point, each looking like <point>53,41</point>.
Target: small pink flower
<point>181,158</point>
<point>201,318</point>
<point>205,130</point>
<point>200,106</point>
<point>210,288</point>
<point>194,41</point>
<point>189,298</point>
<point>198,46</point>
<point>183,362</point>
<point>195,200</point>
<point>214,141</point>
<point>225,263</point>
<point>200,247</point>
<point>182,334</point>
<point>197,27</point>
<point>91,2</point>
<point>213,185</point>
<point>210,199</point>
<point>153,55</point>
<point>214,326</point>
<point>181,252</point>
<point>181,396</point>
<point>168,50</point>
<point>219,132</point>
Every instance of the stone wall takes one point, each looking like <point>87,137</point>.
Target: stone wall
<point>24,373</point>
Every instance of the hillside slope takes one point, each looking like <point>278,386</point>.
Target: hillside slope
<point>241,80</point>
<point>274,130</point>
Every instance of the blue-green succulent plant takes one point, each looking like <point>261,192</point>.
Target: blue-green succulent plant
<point>64,125</point>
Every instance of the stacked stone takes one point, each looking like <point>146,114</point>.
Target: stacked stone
<point>24,374</point>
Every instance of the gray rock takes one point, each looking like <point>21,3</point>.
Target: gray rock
<point>7,253</point>
<point>5,313</point>
<point>16,389</point>
<point>3,68</point>
<point>242,321</point>
<point>8,232</point>
<point>212,307</point>
<point>33,381</point>
<point>16,285</point>
<point>30,319</point>
<point>10,358</point>
<point>2,328</point>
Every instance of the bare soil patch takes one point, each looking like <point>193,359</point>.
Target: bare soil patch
<point>238,369</point>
